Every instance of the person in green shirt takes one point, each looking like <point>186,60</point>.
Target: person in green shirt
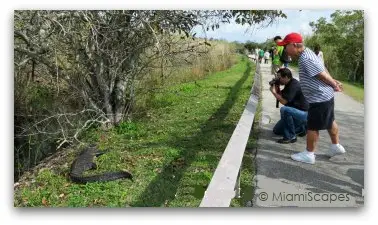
<point>277,52</point>
<point>261,55</point>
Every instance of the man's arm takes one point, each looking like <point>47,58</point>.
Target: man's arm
<point>278,96</point>
<point>326,78</point>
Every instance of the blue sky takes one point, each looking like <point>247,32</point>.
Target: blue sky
<point>296,21</point>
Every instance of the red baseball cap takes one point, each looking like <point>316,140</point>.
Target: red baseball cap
<point>291,38</point>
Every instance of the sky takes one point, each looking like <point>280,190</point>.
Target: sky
<point>296,21</point>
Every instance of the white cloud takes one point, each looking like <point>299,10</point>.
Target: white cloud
<point>231,28</point>
<point>305,29</point>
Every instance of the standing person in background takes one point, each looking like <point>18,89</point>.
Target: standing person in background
<point>319,53</point>
<point>277,52</point>
<point>271,53</point>
<point>261,55</point>
<point>266,57</point>
<point>318,87</point>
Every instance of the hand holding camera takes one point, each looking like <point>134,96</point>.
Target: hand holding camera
<point>274,82</point>
<point>275,88</point>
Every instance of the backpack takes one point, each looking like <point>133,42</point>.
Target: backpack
<point>284,57</point>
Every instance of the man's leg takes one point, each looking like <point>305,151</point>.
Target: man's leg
<point>297,121</point>
<point>301,124</point>
<point>278,128</point>
<point>302,130</point>
<point>289,127</point>
<point>334,133</point>
<point>336,148</point>
<point>312,139</point>
<point>288,115</point>
<point>308,156</point>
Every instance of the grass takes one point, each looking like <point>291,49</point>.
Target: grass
<point>356,91</point>
<point>172,152</point>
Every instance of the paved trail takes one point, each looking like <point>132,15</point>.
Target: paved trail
<point>280,181</point>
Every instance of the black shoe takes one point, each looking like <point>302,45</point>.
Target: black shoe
<point>286,141</point>
<point>302,134</point>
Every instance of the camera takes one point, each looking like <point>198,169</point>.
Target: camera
<point>274,81</point>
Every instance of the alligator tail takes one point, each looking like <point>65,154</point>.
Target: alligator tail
<point>101,177</point>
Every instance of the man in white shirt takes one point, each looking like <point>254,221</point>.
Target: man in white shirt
<point>266,57</point>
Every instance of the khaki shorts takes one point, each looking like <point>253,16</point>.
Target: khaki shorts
<point>275,68</point>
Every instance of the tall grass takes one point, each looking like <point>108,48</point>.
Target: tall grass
<point>185,68</point>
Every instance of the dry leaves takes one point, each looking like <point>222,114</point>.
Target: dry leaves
<point>44,202</point>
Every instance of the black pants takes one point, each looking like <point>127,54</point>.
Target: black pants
<point>321,115</point>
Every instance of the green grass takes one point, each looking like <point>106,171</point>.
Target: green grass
<point>172,152</point>
<point>356,91</point>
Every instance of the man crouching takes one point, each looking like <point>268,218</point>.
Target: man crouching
<point>294,112</point>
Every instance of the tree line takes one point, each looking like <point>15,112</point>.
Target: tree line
<point>341,40</point>
<point>342,43</point>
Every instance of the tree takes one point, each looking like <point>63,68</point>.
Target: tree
<point>343,39</point>
<point>250,46</point>
<point>100,54</point>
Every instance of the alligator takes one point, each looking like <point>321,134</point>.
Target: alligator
<point>84,161</point>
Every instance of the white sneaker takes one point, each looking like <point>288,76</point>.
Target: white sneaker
<point>336,150</point>
<point>304,157</point>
